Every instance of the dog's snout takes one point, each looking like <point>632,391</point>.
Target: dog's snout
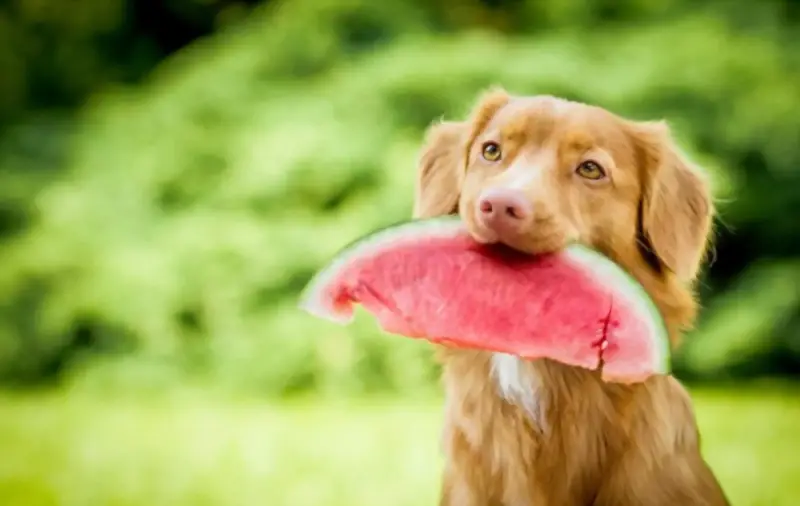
<point>503,208</point>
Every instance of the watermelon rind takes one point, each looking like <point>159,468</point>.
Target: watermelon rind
<point>611,274</point>
<point>312,298</point>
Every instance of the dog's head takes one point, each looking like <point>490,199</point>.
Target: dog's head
<point>537,173</point>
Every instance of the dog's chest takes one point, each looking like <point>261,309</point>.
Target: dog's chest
<point>515,430</point>
<point>518,383</point>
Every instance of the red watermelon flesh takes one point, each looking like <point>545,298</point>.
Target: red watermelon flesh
<point>429,279</point>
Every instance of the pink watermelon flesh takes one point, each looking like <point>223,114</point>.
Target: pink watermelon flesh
<point>453,291</point>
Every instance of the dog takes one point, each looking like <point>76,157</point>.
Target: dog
<point>536,173</point>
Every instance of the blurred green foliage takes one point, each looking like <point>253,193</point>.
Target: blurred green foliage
<point>161,231</point>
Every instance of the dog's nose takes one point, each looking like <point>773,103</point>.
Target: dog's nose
<point>503,208</point>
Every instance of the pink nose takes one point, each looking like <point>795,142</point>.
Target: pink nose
<point>503,208</point>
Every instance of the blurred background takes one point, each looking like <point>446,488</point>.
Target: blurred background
<point>172,172</point>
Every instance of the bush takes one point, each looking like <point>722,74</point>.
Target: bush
<point>196,207</point>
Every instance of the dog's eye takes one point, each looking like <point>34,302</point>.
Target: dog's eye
<point>591,170</point>
<point>491,151</point>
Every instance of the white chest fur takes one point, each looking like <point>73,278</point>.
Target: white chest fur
<point>518,383</point>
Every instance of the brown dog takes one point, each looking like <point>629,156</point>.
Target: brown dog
<point>535,173</point>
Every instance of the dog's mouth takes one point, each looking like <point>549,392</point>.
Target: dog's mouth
<point>526,243</point>
<point>537,238</point>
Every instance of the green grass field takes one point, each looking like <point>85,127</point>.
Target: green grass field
<point>75,451</point>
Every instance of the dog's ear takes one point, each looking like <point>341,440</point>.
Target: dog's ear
<point>676,209</point>
<point>439,170</point>
<point>443,159</point>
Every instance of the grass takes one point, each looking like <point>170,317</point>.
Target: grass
<point>77,451</point>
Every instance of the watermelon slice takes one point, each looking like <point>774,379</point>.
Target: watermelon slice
<point>429,279</point>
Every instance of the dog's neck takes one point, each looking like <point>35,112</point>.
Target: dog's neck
<point>541,388</point>
<point>538,397</point>
<point>534,386</point>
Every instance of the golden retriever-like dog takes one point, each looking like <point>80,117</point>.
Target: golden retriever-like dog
<point>536,173</point>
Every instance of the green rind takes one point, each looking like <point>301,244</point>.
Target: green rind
<point>621,280</point>
<point>452,226</point>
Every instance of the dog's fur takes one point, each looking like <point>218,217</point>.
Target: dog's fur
<point>539,433</point>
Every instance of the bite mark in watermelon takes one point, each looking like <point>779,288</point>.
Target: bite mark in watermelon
<point>429,279</point>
